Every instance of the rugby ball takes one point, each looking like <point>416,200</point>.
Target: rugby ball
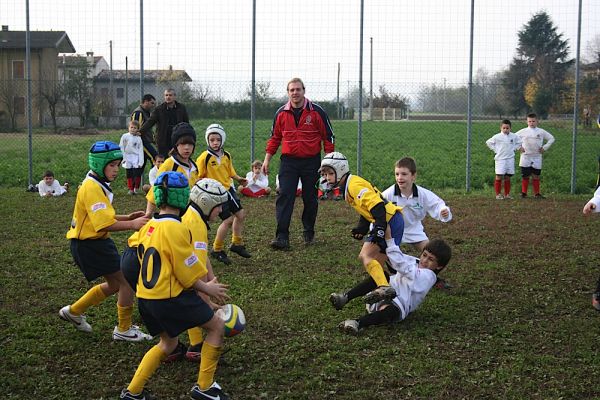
<point>234,319</point>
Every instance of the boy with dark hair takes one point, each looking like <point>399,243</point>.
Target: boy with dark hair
<point>175,299</point>
<point>532,149</point>
<point>50,187</point>
<point>412,279</point>
<point>92,248</point>
<point>504,145</point>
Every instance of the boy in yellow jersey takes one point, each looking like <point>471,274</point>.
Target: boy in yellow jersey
<point>205,197</point>
<point>172,295</point>
<point>92,248</point>
<point>180,160</point>
<point>385,219</point>
<point>217,164</point>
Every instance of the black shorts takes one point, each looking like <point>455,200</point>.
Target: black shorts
<point>232,206</point>
<point>175,315</point>
<point>96,257</point>
<point>527,171</point>
<point>130,266</point>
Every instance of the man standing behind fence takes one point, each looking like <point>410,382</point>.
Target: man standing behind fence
<point>299,126</point>
<point>141,114</point>
<point>166,115</point>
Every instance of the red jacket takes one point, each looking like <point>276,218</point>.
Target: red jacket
<point>303,140</point>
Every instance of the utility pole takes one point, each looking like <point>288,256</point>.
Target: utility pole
<point>371,84</point>
<point>110,83</point>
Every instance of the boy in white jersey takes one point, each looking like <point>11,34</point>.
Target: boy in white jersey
<point>593,206</point>
<point>159,159</point>
<point>93,249</point>
<point>532,149</point>
<point>504,145</point>
<point>412,279</point>
<point>172,294</point>
<point>50,187</point>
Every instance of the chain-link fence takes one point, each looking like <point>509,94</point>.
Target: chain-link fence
<point>409,68</point>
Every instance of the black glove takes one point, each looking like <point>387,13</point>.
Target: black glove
<point>358,233</point>
<point>377,236</point>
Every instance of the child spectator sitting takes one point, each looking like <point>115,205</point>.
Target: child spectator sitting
<point>153,173</point>
<point>50,187</point>
<point>257,183</point>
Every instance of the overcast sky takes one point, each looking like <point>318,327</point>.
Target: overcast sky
<point>414,42</point>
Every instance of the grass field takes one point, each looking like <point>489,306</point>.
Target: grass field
<point>517,324</point>
<point>439,148</point>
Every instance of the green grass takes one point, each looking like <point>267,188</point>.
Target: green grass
<point>438,147</point>
<point>516,325</point>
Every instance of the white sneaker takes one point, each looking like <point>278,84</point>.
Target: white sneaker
<point>133,334</point>
<point>349,326</point>
<point>77,320</point>
<point>500,196</point>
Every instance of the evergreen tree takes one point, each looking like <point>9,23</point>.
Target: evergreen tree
<point>536,77</point>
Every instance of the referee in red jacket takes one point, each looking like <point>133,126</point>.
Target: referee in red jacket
<point>300,126</point>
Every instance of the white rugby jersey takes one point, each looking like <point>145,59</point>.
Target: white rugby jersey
<point>411,283</point>
<point>414,209</point>
<point>596,200</point>
<point>504,145</point>
<point>533,139</point>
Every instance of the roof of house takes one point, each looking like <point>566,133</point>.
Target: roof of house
<point>76,59</point>
<point>149,75</point>
<point>38,40</point>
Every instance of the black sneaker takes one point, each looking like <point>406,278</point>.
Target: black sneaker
<point>338,300</point>
<point>221,256</point>
<point>309,238</point>
<point>193,353</point>
<point>127,395</point>
<point>539,196</point>
<point>214,392</point>
<point>523,195</point>
<point>280,244</point>
<point>176,354</point>
<point>240,250</point>
<point>379,294</point>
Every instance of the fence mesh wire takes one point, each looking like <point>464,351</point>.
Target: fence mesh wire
<point>415,69</point>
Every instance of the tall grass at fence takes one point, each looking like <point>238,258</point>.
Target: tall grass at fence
<point>439,147</point>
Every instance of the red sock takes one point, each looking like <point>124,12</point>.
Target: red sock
<point>336,191</point>
<point>130,183</point>
<point>524,185</point>
<point>497,184</point>
<point>136,182</point>
<point>536,186</point>
<point>506,187</point>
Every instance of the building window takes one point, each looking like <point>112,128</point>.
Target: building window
<point>19,105</point>
<point>18,69</point>
<point>120,93</point>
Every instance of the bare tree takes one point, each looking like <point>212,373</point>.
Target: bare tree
<point>52,93</point>
<point>593,50</point>
<point>7,98</point>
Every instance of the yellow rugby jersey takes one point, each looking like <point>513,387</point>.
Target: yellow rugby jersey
<point>363,196</point>
<point>210,165</point>
<point>171,164</point>
<point>93,210</point>
<point>166,253</point>
<point>134,239</point>
<point>194,222</point>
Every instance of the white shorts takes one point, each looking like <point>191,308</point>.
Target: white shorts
<point>505,167</point>
<point>531,161</point>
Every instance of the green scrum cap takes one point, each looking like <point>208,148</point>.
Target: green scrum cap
<point>101,154</point>
<point>171,188</point>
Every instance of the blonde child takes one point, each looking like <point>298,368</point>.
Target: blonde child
<point>92,248</point>
<point>133,156</point>
<point>216,163</point>
<point>504,145</point>
<point>257,183</point>
<point>50,187</point>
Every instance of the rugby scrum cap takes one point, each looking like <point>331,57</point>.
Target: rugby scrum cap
<point>171,188</point>
<point>101,154</point>
<point>218,129</point>
<point>180,130</point>
<point>207,194</point>
<point>338,162</point>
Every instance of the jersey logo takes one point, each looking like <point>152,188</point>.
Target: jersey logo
<point>308,120</point>
<point>416,206</point>
<point>200,245</point>
<point>150,231</point>
<point>361,193</point>
<point>98,206</point>
<point>191,260</point>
